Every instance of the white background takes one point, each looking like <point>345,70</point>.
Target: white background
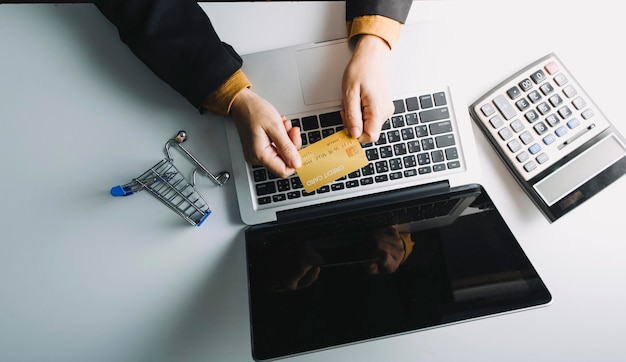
<point>88,277</point>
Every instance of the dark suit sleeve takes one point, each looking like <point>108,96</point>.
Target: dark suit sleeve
<point>177,41</point>
<point>394,9</point>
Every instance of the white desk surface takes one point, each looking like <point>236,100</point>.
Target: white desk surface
<point>88,277</point>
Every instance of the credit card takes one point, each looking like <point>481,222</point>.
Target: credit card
<point>329,159</point>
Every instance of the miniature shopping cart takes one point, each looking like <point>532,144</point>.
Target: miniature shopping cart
<point>167,184</point>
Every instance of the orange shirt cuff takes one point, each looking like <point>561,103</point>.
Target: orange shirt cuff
<point>387,29</point>
<point>220,100</point>
<point>408,244</point>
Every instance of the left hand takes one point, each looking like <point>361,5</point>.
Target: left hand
<point>388,248</point>
<point>367,102</point>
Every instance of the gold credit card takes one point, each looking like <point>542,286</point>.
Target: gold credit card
<point>329,159</point>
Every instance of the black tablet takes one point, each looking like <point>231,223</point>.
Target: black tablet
<point>387,270</point>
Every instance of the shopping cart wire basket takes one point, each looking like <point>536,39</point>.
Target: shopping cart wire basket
<point>167,184</point>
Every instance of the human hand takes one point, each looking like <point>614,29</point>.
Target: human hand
<point>388,248</point>
<point>267,138</point>
<point>293,267</point>
<point>367,102</point>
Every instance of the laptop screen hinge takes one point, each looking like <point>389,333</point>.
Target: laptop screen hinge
<point>364,202</point>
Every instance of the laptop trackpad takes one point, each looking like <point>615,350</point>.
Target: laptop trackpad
<point>320,69</point>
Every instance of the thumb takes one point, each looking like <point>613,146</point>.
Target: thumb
<point>352,115</point>
<point>286,149</point>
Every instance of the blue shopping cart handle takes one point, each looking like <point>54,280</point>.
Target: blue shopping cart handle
<point>208,212</point>
<point>121,191</point>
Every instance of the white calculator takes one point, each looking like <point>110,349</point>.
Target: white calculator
<point>551,135</point>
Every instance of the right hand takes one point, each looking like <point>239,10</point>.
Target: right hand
<point>267,138</point>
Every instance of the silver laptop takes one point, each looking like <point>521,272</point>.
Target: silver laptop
<point>428,140</point>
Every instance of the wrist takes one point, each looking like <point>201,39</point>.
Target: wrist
<point>372,44</point>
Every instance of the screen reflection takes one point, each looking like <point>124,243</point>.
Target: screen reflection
<point>344,281</point>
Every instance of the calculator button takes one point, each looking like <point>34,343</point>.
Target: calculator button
<point>534,96</point>
<point>504,107</point>
<point>546,89</point>
<point>549,139</point>
<point>560,79</point>
<point>565,112</point>
<point>523,156</point>
<point>522,104</point>
<point>496,122</point>
<point>530,166</point>
<point>579,103</point>
<point>513,92</point>
<point>552,120</point>
<point>561,131</point>
<point>543,108</point>
<point>538,76</point>
<point>569,91</point>
<point>573,123</point>
<point>542,158</point>
<point>587,114</point>
<point>540,128</point>
<point>534,149</point>
<point>551,68</point>
<point>526,85</point>
<point>531,116</point>
<point>514,146</point>
<point>517,126</point>
<point>505,134</point>
<point>555,100</point>
<point>526,137</point>
<point>487,109</point>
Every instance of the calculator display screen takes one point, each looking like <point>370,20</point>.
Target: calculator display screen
<point>315,286</point>
<point>580,170</point>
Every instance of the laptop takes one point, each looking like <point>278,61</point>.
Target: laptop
<point>320,263</point>
<point>429,138</point>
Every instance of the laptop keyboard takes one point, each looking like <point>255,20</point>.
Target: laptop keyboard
<point>418,141</point>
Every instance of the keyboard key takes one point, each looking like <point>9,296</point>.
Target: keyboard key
<point>398,105</point>
<point>266,188</point>
<point>381,178</point>
<point>445,141</point>
<point>428,144</point>
<point>259,175</point>
<point>421,131</point>
<point>437,156</point>
<point>440,99</point>
<point>436,114</point>
<point>381,166</point>
<point>412,104</point>
<point>454,164</point>
<point>397,121</point>
<point>407,134</point>
<point>372,154</point>
<point>279,197</point>
<point>426,101</point>
<point>451,153</point>
<point>440,127</point>
<point>413,146</point>
<point>411,119</point>
<point>439,167</point>
<point>409,161</point>
<point>330,119</point>
<point>309,123</point>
